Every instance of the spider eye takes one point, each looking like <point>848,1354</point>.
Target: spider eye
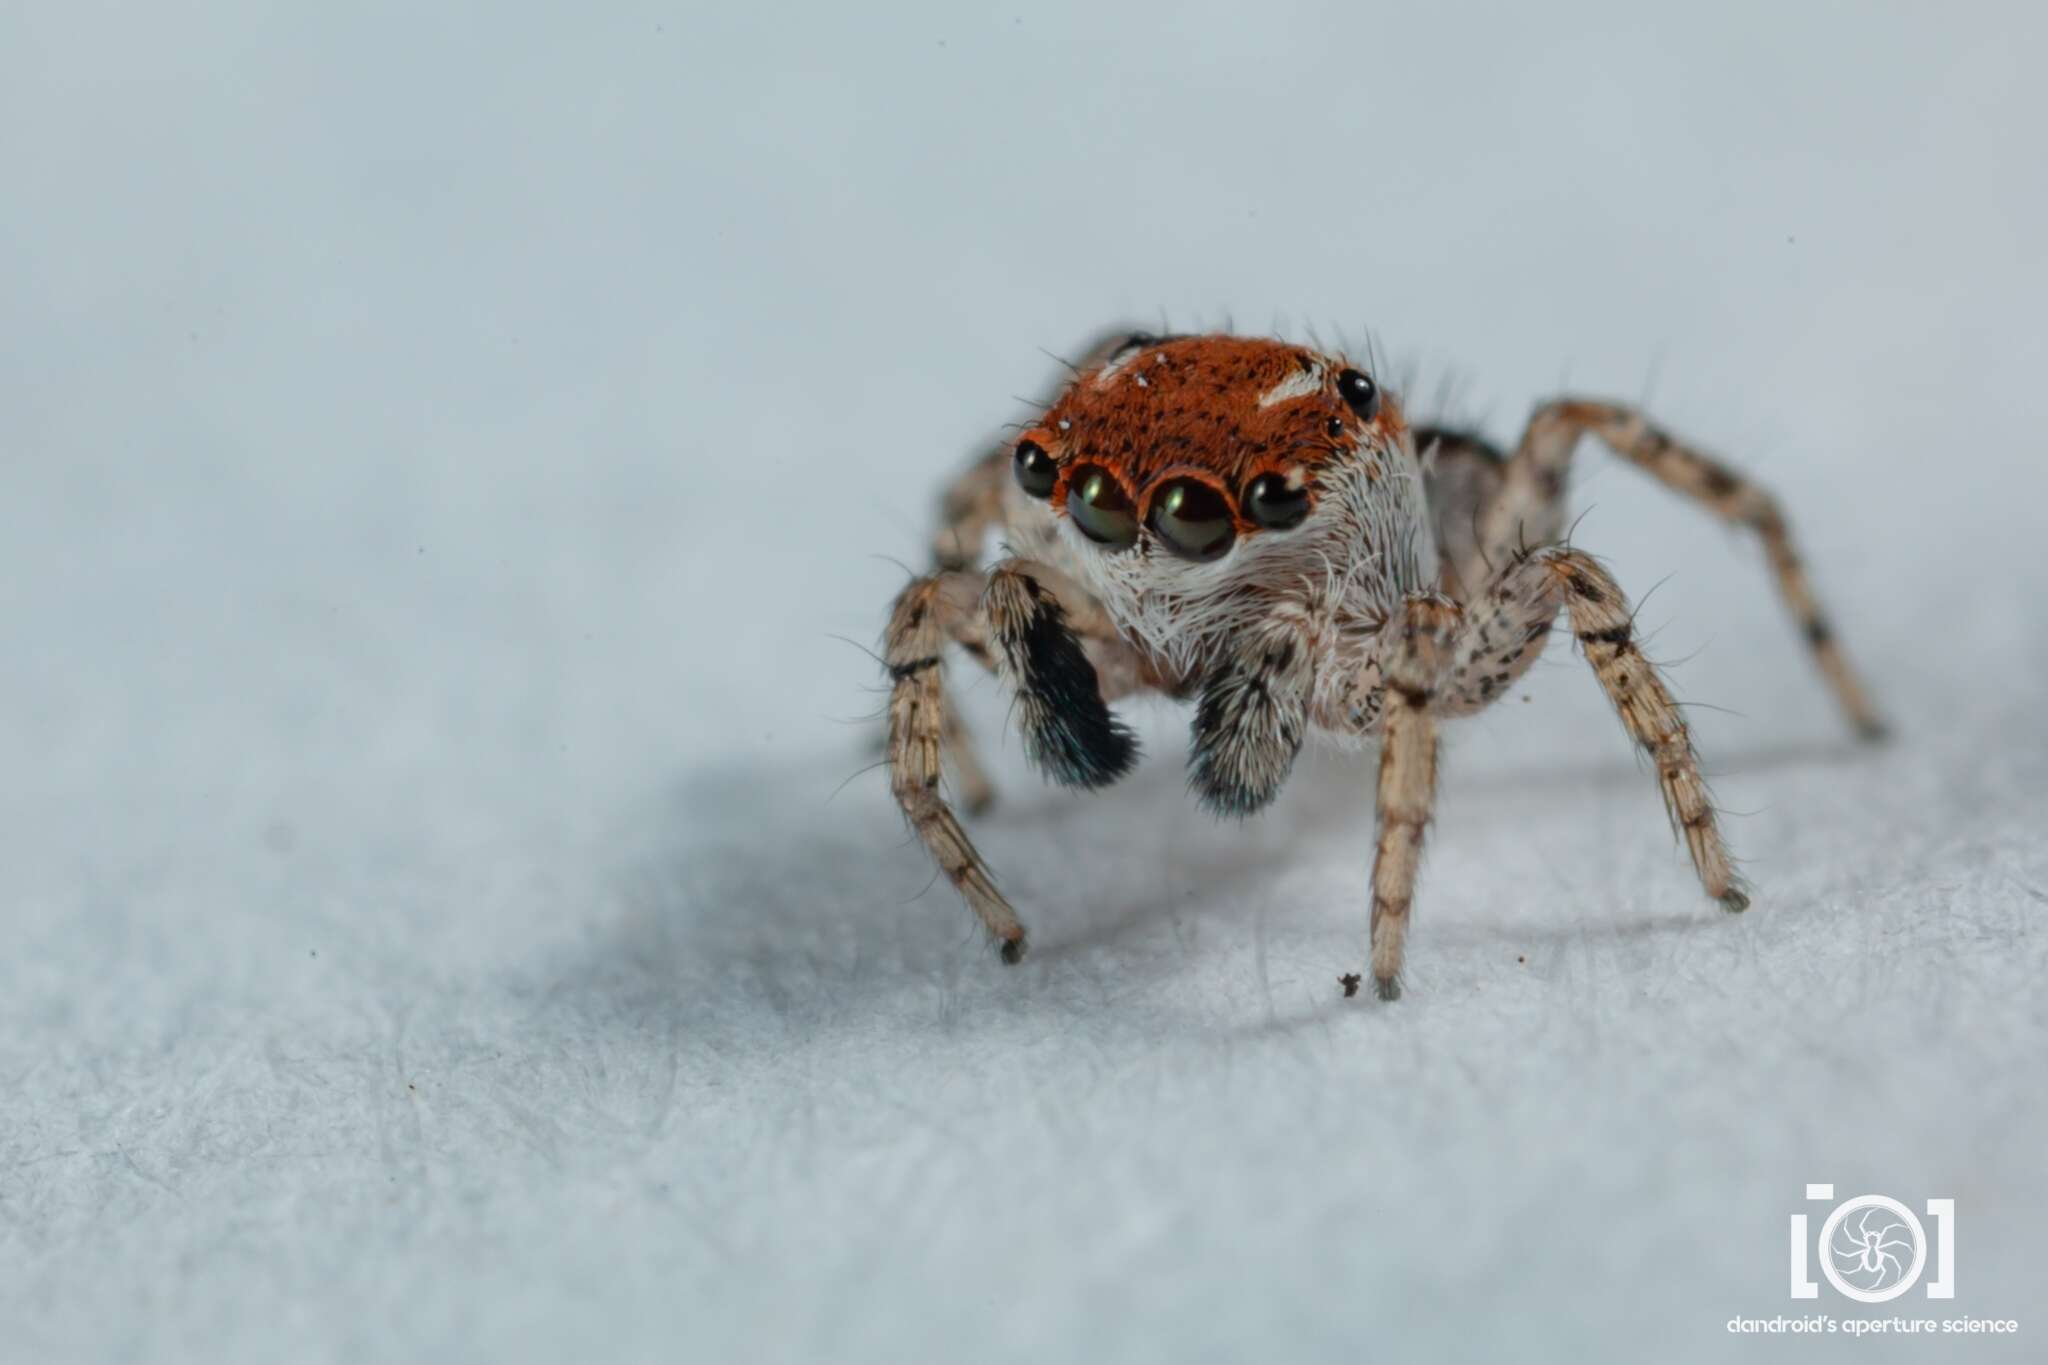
<point>1360,392</point>
<point>1273,505</point>
<point>1193,519</point>
<point>1036,473</point>
<point>1334,428</point>
<point>1101,508</point>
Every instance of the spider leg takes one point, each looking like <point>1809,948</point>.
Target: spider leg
<point>954,598</point>
<point>1502,636</point>
<point>924,614</point>
<point>977,793</point>
<point>1528,508</point>
<point>1014,620</point>
<point>1417,644</point>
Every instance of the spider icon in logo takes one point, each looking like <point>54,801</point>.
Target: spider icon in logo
<point>1873,1248</point>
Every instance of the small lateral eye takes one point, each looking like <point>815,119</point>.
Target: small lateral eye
<point>1273,505</point>
<point>1193,519</point>
<point>1101,508</point>
<point>1360,392</point>
<point>1036,473</point>
<point>1334,427</point>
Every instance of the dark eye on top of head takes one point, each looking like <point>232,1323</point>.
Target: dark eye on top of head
<point>1193,519</point>
<point>1036,473</point>
<point>1360,393</point>
<point>1272,504</point>
<point>1101,508</point>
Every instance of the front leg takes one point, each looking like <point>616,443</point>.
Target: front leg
<point>1417,644</point>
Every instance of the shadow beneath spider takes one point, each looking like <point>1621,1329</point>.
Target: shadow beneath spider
<point>748,893</point>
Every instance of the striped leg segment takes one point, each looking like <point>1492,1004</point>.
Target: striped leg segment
<point>1445,660</point>
<point>913,647</point>
<point>1529,509</point>
<point>1418,645</point>
<point>1600,621</point>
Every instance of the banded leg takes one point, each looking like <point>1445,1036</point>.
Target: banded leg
<point>1418,644</point>
<point>1503,634</point>
<point>1529,509</point>
<point>918,628</point>
<point>977,793</point>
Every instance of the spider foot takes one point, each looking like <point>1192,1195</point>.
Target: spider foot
<point>1734,900</point>
<point>1012,949</point>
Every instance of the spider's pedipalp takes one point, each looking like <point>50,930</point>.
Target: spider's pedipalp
<point>1068,729</point>
<point>1249,724</point>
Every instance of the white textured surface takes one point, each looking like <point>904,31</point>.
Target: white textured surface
<point>439,447</point>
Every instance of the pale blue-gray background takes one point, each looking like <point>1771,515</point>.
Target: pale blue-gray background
<point>439,444</point>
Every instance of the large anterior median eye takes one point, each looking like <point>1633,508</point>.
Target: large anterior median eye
<point>1273,505</point>
<point>1036,473</point>
<point>1193,519</point>
<point>1101,508</point>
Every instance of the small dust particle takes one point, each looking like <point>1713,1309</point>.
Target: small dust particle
<point>1522,958</point>
<point>1350,982</point>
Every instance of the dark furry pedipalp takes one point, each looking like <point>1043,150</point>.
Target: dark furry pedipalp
<point>1247,730</point>
<point>1069,731</point>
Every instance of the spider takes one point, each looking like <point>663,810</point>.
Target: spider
<point>1253,526</point>
<point>1872,1252</point>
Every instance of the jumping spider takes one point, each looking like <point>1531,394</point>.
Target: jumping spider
<point>1254,526</point>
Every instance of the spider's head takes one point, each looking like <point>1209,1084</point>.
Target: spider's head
<point>1192,447</point>
<point>1181,471</point>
